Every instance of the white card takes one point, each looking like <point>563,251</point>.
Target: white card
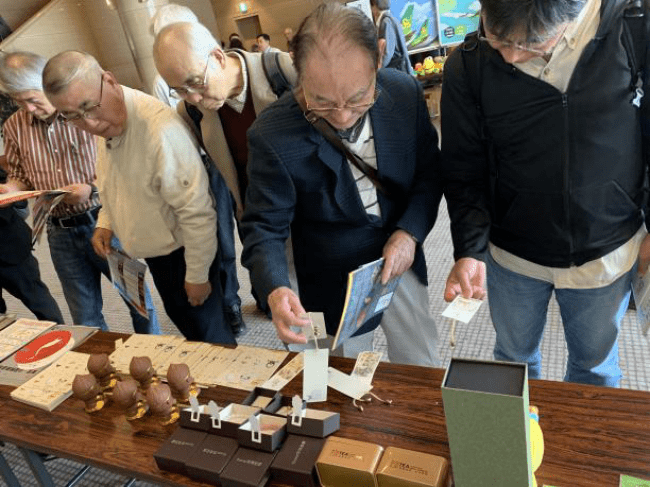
<point>351,386</point>
<point>285,374</point>
<point>462,309</point>
<point>314,376</point>
<point>364,368</point>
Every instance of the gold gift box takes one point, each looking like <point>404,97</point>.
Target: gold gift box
<point>345,462</point>
<point>406,468</point>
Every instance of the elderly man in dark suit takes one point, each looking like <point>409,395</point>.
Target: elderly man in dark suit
<point>339,218</point>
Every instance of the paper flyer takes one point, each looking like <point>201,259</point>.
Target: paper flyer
<point>128,275</point>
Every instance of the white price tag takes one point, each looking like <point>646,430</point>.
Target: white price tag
<point>462,309</point>
<point>314,376</point>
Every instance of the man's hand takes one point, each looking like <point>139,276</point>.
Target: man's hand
<point>399,253</point>
<point>197,293</point>
<point>467,277</point>
<point>286,310</point>
<point>79,193</point>
<point>101,241</point>
<point>644,255</point>
<point>9,187</point>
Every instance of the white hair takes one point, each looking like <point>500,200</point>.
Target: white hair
<point>170,14</point>
<point>21,71</point>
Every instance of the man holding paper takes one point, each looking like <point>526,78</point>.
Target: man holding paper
<point>339,216</point>
<point>43,153</point>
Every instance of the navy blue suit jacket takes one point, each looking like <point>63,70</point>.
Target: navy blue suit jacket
<point>300,184</point>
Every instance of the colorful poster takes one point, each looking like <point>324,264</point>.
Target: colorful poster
<point>456,19</point>
<point>419,23</point>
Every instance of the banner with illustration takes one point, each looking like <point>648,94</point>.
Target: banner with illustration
<point>419,23</point>
<point>456,19</point>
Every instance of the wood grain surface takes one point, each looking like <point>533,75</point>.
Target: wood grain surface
<point>592,434</point>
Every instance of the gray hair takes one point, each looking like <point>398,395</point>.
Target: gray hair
<point>380,4</point>
<point>195,36</point>
<point>66,67</point>
<point>333,21</point>
<point>536,19</point>
<point>170,14</point>
<point>21,71</point>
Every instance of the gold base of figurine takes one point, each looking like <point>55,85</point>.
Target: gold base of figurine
<point>96,407</point>
<point>172,418</point>
<point>141,411</point>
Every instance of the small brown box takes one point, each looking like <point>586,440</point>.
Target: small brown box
<point>209,460</point>
<point>267,400</point>
<point>247,468</point>
<point>232,417</point>
<point>272,431</point>
<point>199,421</point>
<point>295,464</point>
<point>345,462</point>
<point>178,449</point>
<point>314,422</point>
<point>406,468</point>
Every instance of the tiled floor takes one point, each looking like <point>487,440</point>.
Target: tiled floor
<point>475,340</point>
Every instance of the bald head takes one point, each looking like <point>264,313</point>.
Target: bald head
<point>68,67</point>
<point>181,45</point>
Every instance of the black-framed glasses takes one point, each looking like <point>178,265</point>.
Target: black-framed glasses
<point>520,46</point>
<point>355,107</point>
<point>87,113</point>
<point>198,87</point>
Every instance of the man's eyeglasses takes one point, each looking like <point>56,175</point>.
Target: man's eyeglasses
<point>197,87</point>
<point>355,107</point>
<point>87,113</point>
<point>537,49</point>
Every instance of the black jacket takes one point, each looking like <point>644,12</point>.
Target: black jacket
<point>555,178</point>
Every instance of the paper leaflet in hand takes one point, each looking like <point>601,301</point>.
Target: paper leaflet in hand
<point>366,297</point>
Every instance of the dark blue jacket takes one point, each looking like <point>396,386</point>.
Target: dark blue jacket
<point>300,184</point>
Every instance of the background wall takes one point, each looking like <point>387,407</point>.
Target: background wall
<point>90,26</point>
<point>274,16</point>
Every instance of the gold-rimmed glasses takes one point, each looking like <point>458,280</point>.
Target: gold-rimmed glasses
<point>87,113</point>
<point>198,87</point>
<point>324,110</point>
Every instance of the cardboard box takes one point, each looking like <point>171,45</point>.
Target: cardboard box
<point>295,463</point>
<point>406,468</point>
<point>210,458</point>
<point>486,408</point>
<point>178,449</point>
<point>267,400</point>
<point>313,422</point>
<point>345,462</point>
<point>193,421</point>
<point>247,468</point>
<point>272,431</point>
<point>232,417</point>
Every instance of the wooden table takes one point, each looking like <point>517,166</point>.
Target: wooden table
<point>592,434</point>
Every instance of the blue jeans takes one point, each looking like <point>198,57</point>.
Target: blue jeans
<point>79,269</point>
<point>591,319</point>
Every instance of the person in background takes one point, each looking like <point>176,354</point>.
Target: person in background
<point>288,35</point>
<point>154,189</point>
<point>545,174</point>
<point>395,53</point>
<point>165,15</point>
<point>19,273</point>
<point>45,152</point>
<point>264,44</point>
<point>226,254</point>
<point>230,91</point>
<point>234,42</point>
<point>301,184</point>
